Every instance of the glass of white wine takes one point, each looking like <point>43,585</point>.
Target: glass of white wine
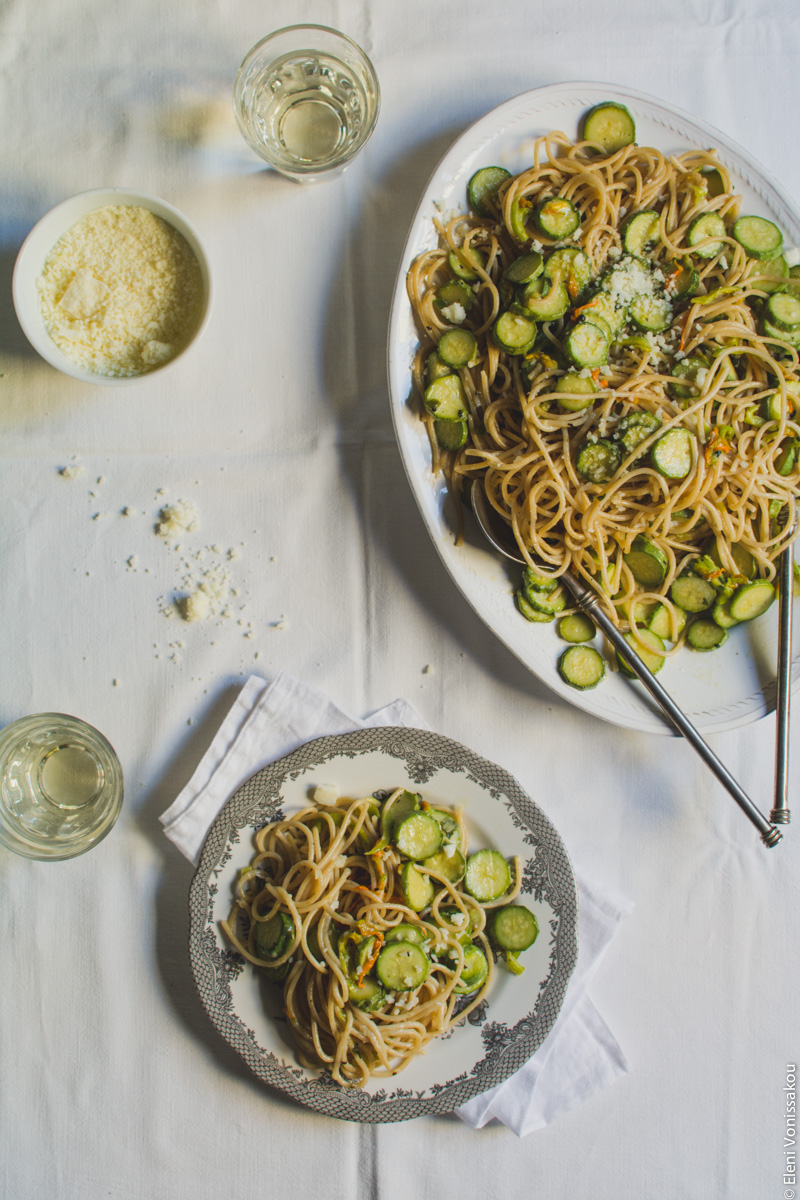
<point>61,786</point>
<point>306,100</point>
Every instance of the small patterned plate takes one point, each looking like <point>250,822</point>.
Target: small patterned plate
<point>502,1033</point>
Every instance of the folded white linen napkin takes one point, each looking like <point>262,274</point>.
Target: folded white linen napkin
<point>268,720</point>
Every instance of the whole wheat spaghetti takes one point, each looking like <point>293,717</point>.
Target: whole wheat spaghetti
<point>690,347</point>
<point>328,897</point>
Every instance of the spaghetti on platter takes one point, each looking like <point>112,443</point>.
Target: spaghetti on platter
<point>379,949</point>
<point>654,411</point>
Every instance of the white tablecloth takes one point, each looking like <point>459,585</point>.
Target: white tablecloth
<point>277,427</point>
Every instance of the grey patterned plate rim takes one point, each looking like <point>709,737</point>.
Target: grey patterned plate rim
<point>503,1033</point>
<point>717,691</point>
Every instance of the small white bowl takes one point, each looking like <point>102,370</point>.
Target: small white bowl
<point>41,240</point>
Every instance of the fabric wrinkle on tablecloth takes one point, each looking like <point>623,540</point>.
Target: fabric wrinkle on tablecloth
<point>580,1055</point>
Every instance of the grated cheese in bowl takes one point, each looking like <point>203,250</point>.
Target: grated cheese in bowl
<point>111,285</point>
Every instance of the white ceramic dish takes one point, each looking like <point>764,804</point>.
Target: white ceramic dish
<point>40,241</point>
<point>717,691</point>
<point>502,1033</point>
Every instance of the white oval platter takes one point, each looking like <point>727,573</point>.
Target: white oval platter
<point>717,691</point>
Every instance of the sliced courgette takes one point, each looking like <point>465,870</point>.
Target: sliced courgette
<point>572,267</point>
<point>758,237</point>
<point>783,311</point>
<point>474,972</point>
<point>742,558</point>
<point>715,184</point>
<point>582,667</point>
<point>406,932</point>
<point>550,603</point>
<point>770,276</point>
<point>514,333</point>
<point>575,392</point>
<point>653,314</point>
<point>660,622</point>
<point>647,562</point>
<point>537,582</point>
<point>466,262</point>
<point>557,217</point>
<point>703,234</point>
<point>673,454</point>
<point>464,923</point>
<point>691,593</point>
<point>640,232</point>
<point>576,628</point>
<point>599,461</point>
<point>513,927</point>
<point>706,634</point>
<point>482,189</point>
<point>401,807</point>
<point>524,269</point>
<point>272,938</point>
<point>518,214</point>
<point>635,429</point>
<point>650,648</point>
<point>684,384</point>
<point>721,613</point>
<point>610,126</point>
<point>402,966</point>
<point>450,435</point>
<point>488,876</point>
<point>528,611</point>
<point>435,368</point>
<point>368,995</point>
<point>751,600</point>
<point>545,299</point>
<point>453,301</point>
<point>457,348</point>
<point>418,836</point>
<point>418,891</point>
<point>774,407</point>
<point>586,345</point>
<point>445,398</point>
<point>449,862</point>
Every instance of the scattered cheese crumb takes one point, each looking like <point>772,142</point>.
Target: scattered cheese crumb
<point>196,607</point>
<point>72,471</point>
<point>176,519</point>
<point>455,313</point>
<point>325,793</point>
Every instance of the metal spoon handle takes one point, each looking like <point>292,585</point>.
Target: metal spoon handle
<point>780,813</point>
<point>589,602</point>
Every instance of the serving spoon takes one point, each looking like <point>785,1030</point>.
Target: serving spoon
<point>499,535</point>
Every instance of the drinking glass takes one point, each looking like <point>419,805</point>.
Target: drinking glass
<point>61,786</point>
<point>306,100</point>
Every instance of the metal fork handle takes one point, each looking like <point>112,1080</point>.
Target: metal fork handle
<point>588,600</point>
<point>780,813</point>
